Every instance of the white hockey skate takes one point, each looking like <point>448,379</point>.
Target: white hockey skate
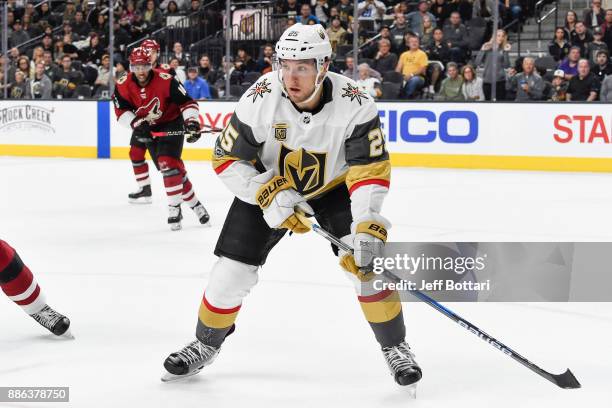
<point>53,321</point>
<point>175,215</point>
<point>189,361</point>
<point>142,196</point>
<point>202,214</point>
<point>403,367</point>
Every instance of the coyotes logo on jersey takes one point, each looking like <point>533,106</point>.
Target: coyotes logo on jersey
<point>151,111</point>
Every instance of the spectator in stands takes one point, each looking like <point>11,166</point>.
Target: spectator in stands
<point>512,11</point>
<point>321,11</point>
<point>399,30</point>
<point>247,62</point>
<point>101,28</point>
<point>104,72</point>
<point>181,5</point>
<point>264,64</point>
<point>427,32</point>
<point>415,18</point>
<point>581,37</point>
<point>385,60</point>
<point>456,36</point>
<point>401,8</point>
<point>33,30</point>
<point>43,13</point>
<point>606,27</point>
<point>81,27</point>
<point>69,11</point>
<point>495,78</point>
<point>472,85</point>
<point>441,11</point>
<point>23,65</point>
<point>412,65</point>
<point>306,17</point>
<point>350,66</point>
<point>370,85</point>
<point>602,67</point>
<point>50,66</point>
<point>37,56</point>
<point>172,9</point>
<point>120,69</point>
<point>571,18</point>
<point>527,85</point>
<point>373,9</point>
<point>290,8</point>
<point>178,68</point>
<point>69,48</point>
<point>345,9</point>
<point>67,30</point>
<point>438,55</point>
<point>450,89</point>
<point>196,86</point>
<point>570,64</point>
<point>206,71</point>
<point>558,89</point>
<point>177,52</point>
<point>18,36</point>
<point>559,47</point>
<point>138,27</point>
<point>152,16</point>
<point>336,33</point>
<point>40,86</point>
<point>18,87</point>
<point>606,90</point>
<point>127,17</point>
<point>597,45</point>
<point>585,86</point>
<point>94,52</point>
<point>595,15</point>
<point>66,79</point>
<point>371,49</point>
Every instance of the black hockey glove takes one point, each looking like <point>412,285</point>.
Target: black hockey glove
<point>192,130</point>
<point>142,130</point>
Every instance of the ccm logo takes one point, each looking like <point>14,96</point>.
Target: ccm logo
<point>422,126</point>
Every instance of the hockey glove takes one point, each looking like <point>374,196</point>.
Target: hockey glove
<point>368,237</point>
<point>278,200</point>
<point>192,129</point>
<point>142,130</point>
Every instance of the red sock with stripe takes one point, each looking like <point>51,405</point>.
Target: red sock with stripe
<point>17,281</point>
<point>189,196</point>
<point>140,166</point>
<point>173,179</point>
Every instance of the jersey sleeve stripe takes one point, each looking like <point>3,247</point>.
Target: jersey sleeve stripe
<point>218,309</point>
<point>221,167</point>
<point>373,173</point>
<point>384,183</point>
<point>377,297</point>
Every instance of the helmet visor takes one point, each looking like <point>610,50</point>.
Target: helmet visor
<point>140,68</point>
<point>300,68</point>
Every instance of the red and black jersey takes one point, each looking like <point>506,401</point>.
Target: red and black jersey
<point>165,68</point>
<point>160,101</point>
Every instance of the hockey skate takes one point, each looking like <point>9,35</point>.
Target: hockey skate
<point>404,368</point>
<point>53,321</point>
<point>175,215</point>
<point>189,361</point>
<point>201,213</point>
<point>142,196</point>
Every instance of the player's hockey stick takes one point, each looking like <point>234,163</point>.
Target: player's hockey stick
<point>565,380</point>
<point>206,129</point>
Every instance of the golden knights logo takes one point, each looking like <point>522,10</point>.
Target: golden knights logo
<point>353,92</point>
<point>280,131</point>
<point>260,89</point>
<point>306,170</point>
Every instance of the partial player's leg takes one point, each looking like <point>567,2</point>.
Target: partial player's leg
<point>18,283</point>
<point>382,309</point>
<point>141,172</point>
<point>243,245</point>
<point>190,198</point>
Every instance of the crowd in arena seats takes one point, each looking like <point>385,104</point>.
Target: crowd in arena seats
<point>422,49</point>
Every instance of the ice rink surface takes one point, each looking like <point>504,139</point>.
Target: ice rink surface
<point>132,288</point>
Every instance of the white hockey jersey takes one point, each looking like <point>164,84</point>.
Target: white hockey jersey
<point>340,141</point>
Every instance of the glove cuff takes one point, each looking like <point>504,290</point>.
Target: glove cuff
<point>137,121</point>
<point>375,225</point>
<point>265,193</point>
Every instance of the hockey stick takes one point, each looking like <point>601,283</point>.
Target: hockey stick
<point>181,132</point>
<point>565,380</point>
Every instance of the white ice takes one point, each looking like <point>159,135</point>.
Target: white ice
<point>132,288</point>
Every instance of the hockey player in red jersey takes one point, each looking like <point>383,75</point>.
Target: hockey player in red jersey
<point>301,139</point>
<point>138,149</point>
<point>160,112</point>
<point>18,283</point>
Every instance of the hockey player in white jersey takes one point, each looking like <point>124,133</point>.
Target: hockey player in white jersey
<point>300,139</point>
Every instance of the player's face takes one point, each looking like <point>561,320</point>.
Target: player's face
<point>299,78</point>
<point>141,71</point>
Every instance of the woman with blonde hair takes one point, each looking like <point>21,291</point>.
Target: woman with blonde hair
<point>495,78</point>
<point>472,85</point>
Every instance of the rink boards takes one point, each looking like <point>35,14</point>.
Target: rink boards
<point>556,137</point>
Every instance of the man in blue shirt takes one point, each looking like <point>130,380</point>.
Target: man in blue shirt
<point>196,87</point>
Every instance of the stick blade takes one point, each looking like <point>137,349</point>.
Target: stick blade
<point>566,380</point>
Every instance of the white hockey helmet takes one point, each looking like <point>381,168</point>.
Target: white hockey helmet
<point>304,42</point>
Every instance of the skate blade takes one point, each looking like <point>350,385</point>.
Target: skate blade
<point>168,377</point>
<point>146,200</point>
<point>411,390</point>
<point>68,335</point>
<point>176,226</point>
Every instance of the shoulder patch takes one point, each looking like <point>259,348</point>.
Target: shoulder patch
<point>165,66</point>
<point>354,93</point>
<point>259,89</point>
<point>165,76</point>
<point>122,79</point>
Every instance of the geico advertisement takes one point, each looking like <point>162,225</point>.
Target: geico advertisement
<point>54,123</point>
<point>554,130</point>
